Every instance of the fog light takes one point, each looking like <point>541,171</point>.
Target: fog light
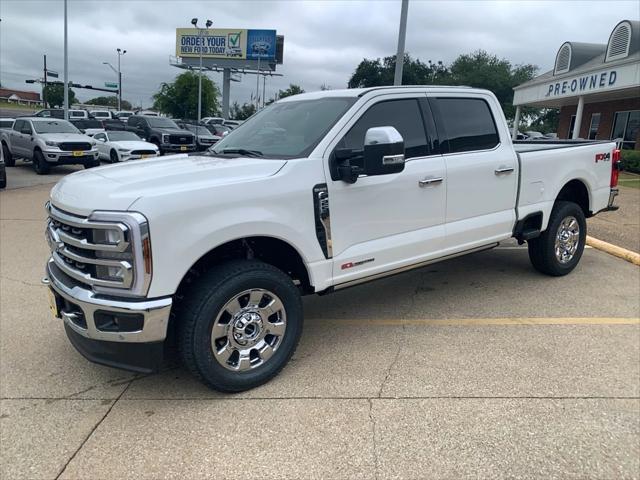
<point>118,322</point>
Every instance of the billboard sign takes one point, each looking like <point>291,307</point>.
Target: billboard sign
<point>226,43</point>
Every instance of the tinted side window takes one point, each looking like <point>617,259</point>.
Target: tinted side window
<point>17,126</point>
<point>467,124</point>
<point>404,115</point>
<point>132,122</point>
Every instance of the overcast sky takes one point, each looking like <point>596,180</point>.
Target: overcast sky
<point>324,40</point>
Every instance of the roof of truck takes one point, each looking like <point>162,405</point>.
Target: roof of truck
<point>359,92</point>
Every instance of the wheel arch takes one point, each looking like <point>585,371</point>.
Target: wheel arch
<point>576,191</point>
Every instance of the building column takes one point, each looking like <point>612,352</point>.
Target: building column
<point>578,122</point>
<point>516,122</point>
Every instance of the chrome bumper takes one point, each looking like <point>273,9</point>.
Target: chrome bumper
<point>612,196</point>
<point>155,312</point>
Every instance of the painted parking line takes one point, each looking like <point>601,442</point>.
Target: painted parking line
<point>454,322</point>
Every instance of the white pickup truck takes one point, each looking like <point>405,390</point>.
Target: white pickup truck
<point>315,193</point>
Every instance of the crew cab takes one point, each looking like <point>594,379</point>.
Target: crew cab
<point>315,193</point>
<point>163,132</point>
<point>47,142</point>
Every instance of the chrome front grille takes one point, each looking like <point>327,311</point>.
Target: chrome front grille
<point>94,253</point>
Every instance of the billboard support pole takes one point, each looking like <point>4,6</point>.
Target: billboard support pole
<point>258,83</point>
<point>44,87</point>
<point>226,86</point>
<point>66,66</point>
<point>200,80</point>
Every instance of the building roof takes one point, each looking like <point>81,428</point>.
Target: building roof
<point>21,94</point>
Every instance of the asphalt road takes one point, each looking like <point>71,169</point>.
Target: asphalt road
<point>473,368</point>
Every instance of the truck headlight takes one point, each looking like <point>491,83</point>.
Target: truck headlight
<point>165,138</point>
<point>51,143</point>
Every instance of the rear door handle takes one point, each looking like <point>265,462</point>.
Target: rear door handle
<point>502,169</point>
<point>430,181</point>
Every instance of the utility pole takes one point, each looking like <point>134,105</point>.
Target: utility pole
<point>66,66</point>
<point>194,22</point>
<point>258,81</point>
<point>397,78</point>
<point>264,89</point>
<point>44,88</point>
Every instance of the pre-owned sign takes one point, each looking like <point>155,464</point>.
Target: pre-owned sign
<point>226,43</point>
<point>583,83</point>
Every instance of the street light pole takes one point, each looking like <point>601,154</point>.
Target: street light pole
<point>397,78</point>
<point>194,22</point>
<point>120,54</point>
<point>66,66</point>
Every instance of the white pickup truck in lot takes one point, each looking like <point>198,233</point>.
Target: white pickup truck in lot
<point>316,193</point>
<point>47,142</point>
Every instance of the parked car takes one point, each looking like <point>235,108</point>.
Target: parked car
<point>101,114</point>
<point>3,170</point>
<point>6,122</point>
<point>204,138</point>
<point>59,113</point>
<point>119,146</point>
<point>114,124</point>
<point>162,132</point>
<point>212,120</point>
<point>48,142</point>
<point>148,113</point>
<point>89,126</point>
<point>123,114</point>
<point>232,123</point>
<point>217,130</point>
<point>362,184</point>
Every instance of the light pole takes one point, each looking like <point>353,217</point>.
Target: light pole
<point>194,22</point>
<point>261,49</point>
<point>397,78</point>
<point>66,66</point>
<point>120,54</point>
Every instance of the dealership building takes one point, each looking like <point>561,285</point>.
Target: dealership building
<point>595,86</point>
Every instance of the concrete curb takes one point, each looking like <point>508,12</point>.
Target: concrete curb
<point>614,250</point>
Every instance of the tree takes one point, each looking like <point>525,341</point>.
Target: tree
<point>54,93</point>
<point>379,72</point>
<point>479,69</point>
<point>180,97</point>
<point>546,122</point>
<point>242,112</point>
<point>483,70</point>
<point>109,102</point>
<point>291,90</point>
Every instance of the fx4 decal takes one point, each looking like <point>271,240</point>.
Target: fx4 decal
<point>603,157</point>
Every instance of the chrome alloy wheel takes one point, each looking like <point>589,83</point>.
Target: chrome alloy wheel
<point>248,330</point>
<point>567,239</point>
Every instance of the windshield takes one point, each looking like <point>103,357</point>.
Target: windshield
<point>90,124</point>
<point>160,122</point>
<point>198,130</point>
<point>101,114</point>
<point>123,136</point>
<point>54,126</point>
<point>286,130</point>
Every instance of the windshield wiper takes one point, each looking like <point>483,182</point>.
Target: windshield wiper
<point>243,151</point>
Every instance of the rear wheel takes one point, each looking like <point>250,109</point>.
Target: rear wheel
<point>40,165</point>
<point>92,163</point>
<point>559,248</point>
<point>157,144</point>
<point>8,157</point>
<point>239,325</point>
<point>113,156</point>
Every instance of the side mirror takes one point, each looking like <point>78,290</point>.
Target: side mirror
<point>383,151</point>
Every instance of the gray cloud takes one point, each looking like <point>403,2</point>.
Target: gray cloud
<point>324,40</point>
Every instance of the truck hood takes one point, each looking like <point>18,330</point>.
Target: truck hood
<point>65,137</point>
<point>117,187</point>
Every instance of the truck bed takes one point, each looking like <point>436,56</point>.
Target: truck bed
<point>537,145</point>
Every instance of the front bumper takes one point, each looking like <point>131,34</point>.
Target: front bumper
<point>67,158</point>
<point>170,147</point>
<point>138,350</point>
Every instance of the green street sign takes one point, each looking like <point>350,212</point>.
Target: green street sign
<point>110,85</point>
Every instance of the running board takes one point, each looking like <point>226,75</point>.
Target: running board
<point>396,271</point>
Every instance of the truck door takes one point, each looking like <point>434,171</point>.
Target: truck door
<point>385,222</point>
<point>482,170</point>
<point>18,141</point>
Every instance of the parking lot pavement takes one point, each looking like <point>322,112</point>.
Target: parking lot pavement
<point>23,175</point>
<point>476,367</point>
<point>621,227</point>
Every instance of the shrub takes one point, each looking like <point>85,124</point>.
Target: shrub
<point>631,160</point>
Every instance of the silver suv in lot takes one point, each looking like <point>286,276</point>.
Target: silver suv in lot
<point>48,142</point>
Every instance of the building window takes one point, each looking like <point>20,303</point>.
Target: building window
<point>625,127</point>
<point>563,59</point>
<point>571,125</point>
<point>594,125</point>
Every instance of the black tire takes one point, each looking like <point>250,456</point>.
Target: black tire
<point>9,161</point>
<point>3,177</point>
<point>113,156</point>
<point>91,163</point>
<point>542,252</point>
<point>205,300</point>
<point>157,144</point>
<point>40,165</point>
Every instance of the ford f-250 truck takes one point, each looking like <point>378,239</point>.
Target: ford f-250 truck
<point>315,193</point>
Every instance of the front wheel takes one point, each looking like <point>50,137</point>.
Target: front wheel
<point>239,325</point>
<point>113,156</point>
<point>40,165</point>
<point>9,159</point>
<point>559,248</point>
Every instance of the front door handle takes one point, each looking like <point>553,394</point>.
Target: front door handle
<point>430,181</point>
<point>502,170</point>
